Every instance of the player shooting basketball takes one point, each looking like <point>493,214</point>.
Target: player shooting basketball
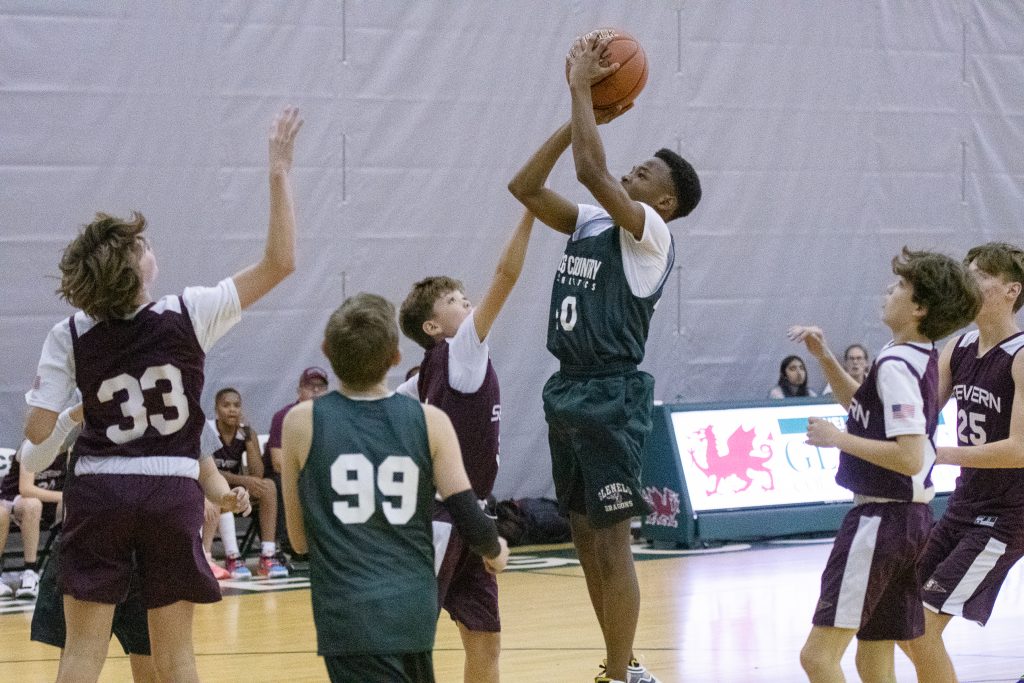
<point>598,405</point>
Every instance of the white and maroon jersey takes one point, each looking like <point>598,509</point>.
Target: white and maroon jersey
<point>473,404</point>
<point>898,398</point>
<point>51,479</point>
<point>228,455</point>
<point>140,379</point>
<point>983,387</point>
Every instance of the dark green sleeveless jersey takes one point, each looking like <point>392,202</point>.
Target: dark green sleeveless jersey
<point>367,493</point>
<point>595,320</point>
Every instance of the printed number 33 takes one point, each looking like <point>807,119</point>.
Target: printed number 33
<point>133,406</point>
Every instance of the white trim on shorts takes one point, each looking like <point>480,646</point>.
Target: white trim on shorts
<point>856,574</point>
<point>442,536</point>
<point>976,573</point>
<point>149,465</point>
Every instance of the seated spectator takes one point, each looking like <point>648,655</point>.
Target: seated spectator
<point>33,501</point>
<point>238,442</point>
<point>856,364</point>
<point>214,517</point>
<point>312,383</point>
<point>792,379</point>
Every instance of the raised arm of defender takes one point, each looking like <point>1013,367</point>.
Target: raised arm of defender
<point>510,265</point>
<point>279,256</point>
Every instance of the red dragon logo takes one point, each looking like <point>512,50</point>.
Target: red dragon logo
<point>665,504</point>
<point>737,462</point>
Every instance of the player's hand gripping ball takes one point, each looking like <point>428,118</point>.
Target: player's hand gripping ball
<point>620,88</point>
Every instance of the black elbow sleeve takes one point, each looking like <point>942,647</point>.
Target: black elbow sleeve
<point>476,528</point>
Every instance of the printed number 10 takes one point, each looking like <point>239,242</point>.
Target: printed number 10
<point>567,316</point>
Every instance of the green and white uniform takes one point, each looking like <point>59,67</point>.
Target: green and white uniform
<point>598,405</point>
<point>367,496</point>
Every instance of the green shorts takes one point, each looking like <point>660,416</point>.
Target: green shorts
<point>597,428</point>
<point>410,667</point>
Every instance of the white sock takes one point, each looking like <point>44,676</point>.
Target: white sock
<point>227,534</point>
<point>268,548</point>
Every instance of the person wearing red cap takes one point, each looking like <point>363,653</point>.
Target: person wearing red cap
<point>312,383</point>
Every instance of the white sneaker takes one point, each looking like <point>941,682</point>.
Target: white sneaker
<point>29,588</point>
<point>5,590</point>
<point>636,673</point>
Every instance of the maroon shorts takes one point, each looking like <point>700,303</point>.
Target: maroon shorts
<point>870,581</point>
<point>465,589</point>
<point>963,566</point>
<point>112,518</point>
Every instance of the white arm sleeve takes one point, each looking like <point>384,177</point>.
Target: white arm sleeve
<point>214,310</point>
<point>467,358</point>
<point>37,457</point>
<point>645,260</point>
<point>900,394</point>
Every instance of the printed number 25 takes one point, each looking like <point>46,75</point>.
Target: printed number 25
<point>976,421</point>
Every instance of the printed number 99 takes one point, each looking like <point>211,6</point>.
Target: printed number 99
<point>397,477</point>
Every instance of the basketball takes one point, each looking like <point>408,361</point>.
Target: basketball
<point>623,86</point>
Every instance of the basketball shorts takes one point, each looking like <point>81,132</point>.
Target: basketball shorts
<point>963,567</point>
<point>465,589</point>
<point>597,428</point>
<point>870,580</point>
<point>411,667</point>
<point>113,518</point>
<point>129,626</point>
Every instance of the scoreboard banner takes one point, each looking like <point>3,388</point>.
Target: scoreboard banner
<point>736,457</point>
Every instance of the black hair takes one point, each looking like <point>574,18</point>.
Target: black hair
<point>788,388</point>
<point>685,180</point>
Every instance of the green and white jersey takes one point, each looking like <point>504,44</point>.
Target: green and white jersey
<point>367,497</point>
<point>605,290</point>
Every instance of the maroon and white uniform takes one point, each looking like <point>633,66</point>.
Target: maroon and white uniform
<point>51,479</point>
<point>981,534</point>
<point>869,582</point>
<point>456,375</point>
<point>229,456</point>
<point>137,467</point>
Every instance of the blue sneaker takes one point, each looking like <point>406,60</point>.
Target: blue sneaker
<point>271,568</point>
<point>236,566</point>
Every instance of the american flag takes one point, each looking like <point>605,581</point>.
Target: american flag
<point>902,411</point>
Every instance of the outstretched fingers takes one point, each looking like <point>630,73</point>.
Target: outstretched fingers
<point>283,130</point>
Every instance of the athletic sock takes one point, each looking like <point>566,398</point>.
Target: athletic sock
<point>227,534</point>
<point>268,548</point>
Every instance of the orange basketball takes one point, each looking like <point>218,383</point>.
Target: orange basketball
<point>623,86</point>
